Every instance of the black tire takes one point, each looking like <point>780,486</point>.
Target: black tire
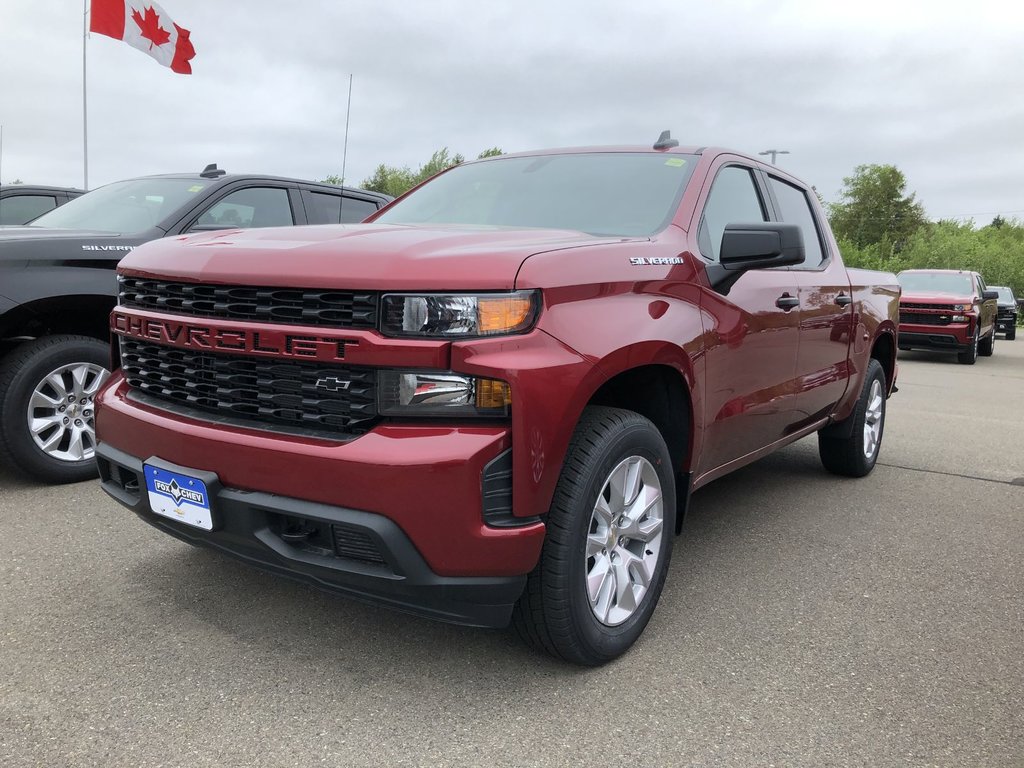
<point>843,446</point>
<point>970,356</point>
<point>554,613</point>
<point>987,345</point>
<point>1012,333</point>
<point>21,371</point>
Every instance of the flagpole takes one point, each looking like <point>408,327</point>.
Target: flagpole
<point>85,102</point>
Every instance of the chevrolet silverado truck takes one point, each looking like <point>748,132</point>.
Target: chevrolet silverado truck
<point>1006,312</point>
<point>947,310</point>
<point>57,288</point>
<point>20,203</point>
<point>491,402</point>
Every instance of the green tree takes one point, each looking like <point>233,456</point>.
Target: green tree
<point>874,209</point>
<point>396,180</point>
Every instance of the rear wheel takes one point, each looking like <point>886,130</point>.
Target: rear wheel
<point>970,356</point>
<point>47,392</point>
<point>608,545</point>
<point>851,447</point>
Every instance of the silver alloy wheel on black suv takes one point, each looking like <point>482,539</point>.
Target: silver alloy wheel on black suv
<point>48,388</point>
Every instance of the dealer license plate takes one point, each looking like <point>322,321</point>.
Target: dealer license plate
<point>179,497</point>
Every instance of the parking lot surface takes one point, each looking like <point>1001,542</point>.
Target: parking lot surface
<point>807,620</point>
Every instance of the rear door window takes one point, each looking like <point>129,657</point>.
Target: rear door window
<point>325,208</point>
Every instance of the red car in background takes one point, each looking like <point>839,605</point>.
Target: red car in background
<point>948,310</point>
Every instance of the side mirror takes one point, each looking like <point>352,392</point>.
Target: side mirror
<point>986,295</point>
<point>755,246</point>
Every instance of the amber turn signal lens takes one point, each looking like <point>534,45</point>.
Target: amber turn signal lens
<point>504,314</point>
<point>491,393</point>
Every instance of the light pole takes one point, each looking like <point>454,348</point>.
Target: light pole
<point>774,152</point>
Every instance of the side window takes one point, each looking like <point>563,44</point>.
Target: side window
<point>795,209</point>
<point>332,209</point>
<point>250,207</point>
<point>355,210</point>
<point>23,208</point>
<point>733,200</point>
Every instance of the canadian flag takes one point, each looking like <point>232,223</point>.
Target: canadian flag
<point>145,26</point>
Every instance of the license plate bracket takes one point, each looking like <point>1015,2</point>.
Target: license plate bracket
<point>180,493</point>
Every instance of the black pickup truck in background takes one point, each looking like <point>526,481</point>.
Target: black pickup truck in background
<point>58,286</point>
<point>20,203</point>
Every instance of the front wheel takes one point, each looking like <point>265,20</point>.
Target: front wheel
<point>1012,333</point>
<point>988,346</point>
<point>970,355</point>
<point>47,389</point>
<point>609,541</point>
<point>851,447</point>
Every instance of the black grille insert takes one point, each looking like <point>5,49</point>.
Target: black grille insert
<point>264,391</point>
<point>921,319</point>
<point>337,309</point>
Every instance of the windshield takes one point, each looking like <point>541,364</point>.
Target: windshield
<point>124,207</point>
<point>936,282</point>
<point>601,193</point>
<point>1005,295</point>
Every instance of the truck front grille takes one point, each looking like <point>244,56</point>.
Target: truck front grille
<point>922,319</point>
<point>297,306</point>
<point>262,391</point>
<point>914,305</point>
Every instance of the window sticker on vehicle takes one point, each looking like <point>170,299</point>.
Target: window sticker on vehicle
<point>675,162</point>
<point>195,188</point>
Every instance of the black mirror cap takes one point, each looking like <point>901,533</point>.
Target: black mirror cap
<point>761,245</point>
<point>986,295</point>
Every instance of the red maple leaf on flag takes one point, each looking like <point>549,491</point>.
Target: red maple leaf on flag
<point>149,26</point>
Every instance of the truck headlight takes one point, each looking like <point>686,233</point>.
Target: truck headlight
<point>960,307</point>
<point>440,393</point>
<point>432,315</point>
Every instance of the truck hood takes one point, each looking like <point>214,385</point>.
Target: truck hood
<point>356,256</point>
<point>936,297</point>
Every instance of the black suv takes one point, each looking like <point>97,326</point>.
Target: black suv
<point>1006,315</point>
<point>20,203</point>
<point>57,288</point>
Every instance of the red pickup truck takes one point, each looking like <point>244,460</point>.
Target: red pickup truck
<point>948,310</point>
<point>492,402</point>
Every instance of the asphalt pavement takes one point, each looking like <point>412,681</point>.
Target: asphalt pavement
<point>808,620</point>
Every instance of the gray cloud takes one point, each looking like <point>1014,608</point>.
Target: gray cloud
<point>931,87</point>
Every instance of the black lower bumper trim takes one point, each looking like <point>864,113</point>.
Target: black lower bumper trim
<point>939,341</point>
<point>382,567</point>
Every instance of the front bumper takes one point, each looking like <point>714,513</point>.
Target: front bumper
<point>354,553</point>
<point>413,492</point>
<point>954,337</point>
<point>1005,323</point>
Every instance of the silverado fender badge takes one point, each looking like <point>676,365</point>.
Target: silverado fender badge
<point>108,247</point>
<point>639,261</point>
<point>333,384</point>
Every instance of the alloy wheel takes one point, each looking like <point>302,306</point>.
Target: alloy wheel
<point>61,411</point>
<point>624,541</point>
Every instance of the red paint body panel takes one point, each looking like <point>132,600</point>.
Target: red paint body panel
<point>437,504</point>
<point>756,376</point>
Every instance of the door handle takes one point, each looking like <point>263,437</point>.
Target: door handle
<point>787,302</point>
<point>843,300</point>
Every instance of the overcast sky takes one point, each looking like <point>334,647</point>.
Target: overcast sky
<point>935,88</point>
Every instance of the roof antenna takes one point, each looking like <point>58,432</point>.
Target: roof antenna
<point>665,141</point>
<point>211,172</point>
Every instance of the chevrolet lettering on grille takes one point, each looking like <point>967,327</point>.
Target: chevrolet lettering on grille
<point>210,337</point>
